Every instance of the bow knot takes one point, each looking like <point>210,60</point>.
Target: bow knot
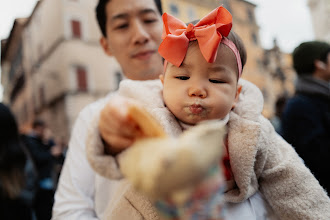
<point>208,32</point>
<point>190,32</point>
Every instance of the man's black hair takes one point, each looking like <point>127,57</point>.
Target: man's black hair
<point>102,16</point>
<point>306,53</point>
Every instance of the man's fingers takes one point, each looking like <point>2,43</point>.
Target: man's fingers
<point>110,125</point>
<point>115,120</point>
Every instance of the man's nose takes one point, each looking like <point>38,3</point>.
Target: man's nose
<point>197,91</point>
<point>140,34</point>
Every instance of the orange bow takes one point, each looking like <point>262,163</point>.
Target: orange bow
<point>208,32</point>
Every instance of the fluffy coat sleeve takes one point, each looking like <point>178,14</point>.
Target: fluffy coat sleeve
<point>261,160</point>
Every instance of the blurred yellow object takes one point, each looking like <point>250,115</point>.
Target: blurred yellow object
<point>165,167</point>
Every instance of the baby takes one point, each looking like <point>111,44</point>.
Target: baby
<point>201,81</point>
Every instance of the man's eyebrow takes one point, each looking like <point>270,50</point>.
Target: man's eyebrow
<point>147,11</point>
<point>119,16</point>
<point>126,15</point>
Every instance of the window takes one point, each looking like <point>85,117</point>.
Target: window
<point>250,15</point>
<point>42,99</point>
<point>254,38</point>
<point>192,14</point>
<point>25,112</point>
<point>118,78</point>
<point>76,29</point>
<point>81,77</point>
<point>226,5</point>
<point>174,9</point>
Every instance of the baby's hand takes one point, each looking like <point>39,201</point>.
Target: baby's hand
<point>116,127</point>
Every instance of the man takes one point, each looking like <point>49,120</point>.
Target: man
<point>306,118</point>
<point>131,33</point>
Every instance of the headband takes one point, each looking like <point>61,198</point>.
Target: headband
<point>209,32</point>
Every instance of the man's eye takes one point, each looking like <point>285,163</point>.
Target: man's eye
<point>122,26</point>
<point>182,77</point>
<point>148,21</point>
<point>215,81</point>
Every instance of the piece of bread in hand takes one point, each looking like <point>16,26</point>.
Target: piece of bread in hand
<point>162,166</point>
<point>148,124</point>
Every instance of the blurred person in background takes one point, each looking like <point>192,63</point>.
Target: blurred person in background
<point>44,153</point>
<point>62,146</point>
<point>306,117</point>
<point>17,175</point>
<point>276,120</point>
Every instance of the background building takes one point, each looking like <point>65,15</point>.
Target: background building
<point>320,12</point>
<point>53,65</point>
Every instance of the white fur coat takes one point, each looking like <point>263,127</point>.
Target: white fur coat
<point>260,160</point>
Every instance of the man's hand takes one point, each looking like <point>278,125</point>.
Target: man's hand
<point>116,127</point>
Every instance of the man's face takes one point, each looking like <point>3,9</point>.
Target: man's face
<point>198,90</point>
<point>134,30</point>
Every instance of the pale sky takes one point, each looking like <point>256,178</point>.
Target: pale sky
<point>287,20</point>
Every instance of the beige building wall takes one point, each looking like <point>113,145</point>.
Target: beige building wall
<point>11,60</point>
<point>51,55</point>
<point>320,12</point>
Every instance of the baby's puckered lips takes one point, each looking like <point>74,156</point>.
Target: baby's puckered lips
<point>196,109</point>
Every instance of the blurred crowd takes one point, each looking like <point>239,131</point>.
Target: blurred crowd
<point>30,165</point>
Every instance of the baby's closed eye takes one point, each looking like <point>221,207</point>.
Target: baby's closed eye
<point>182,77</point>
<point>216,81</point>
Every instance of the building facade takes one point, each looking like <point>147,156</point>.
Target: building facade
<point>64,67</point>
<point>320,13</point>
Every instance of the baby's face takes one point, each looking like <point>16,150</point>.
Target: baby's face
<point>198,90</point>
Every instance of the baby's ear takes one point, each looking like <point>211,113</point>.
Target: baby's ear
<point>161,77</point>
<point>238,91</point>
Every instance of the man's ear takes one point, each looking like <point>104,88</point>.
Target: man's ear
<point>238,91</point>
<point>320,65</point>
<point>105,46</point>
<point>161,77</point>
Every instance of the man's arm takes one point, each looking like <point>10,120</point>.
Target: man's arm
<point>74,198</point>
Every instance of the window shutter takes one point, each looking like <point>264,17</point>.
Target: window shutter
<point>76,29</point>
<point>81,78</point>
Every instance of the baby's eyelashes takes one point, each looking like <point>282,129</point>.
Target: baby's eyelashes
<point>216,81</point>
<point>182,77</point>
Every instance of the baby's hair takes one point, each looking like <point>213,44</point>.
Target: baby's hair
<point>239,45</point>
